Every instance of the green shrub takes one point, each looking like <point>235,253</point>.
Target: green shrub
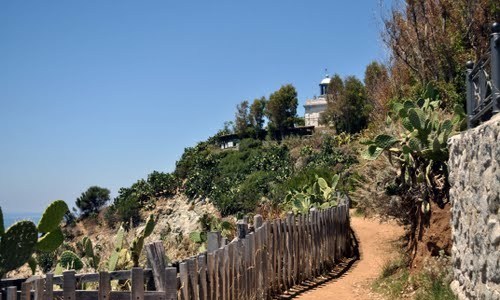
<point>330,155</point>
<point>127,207</point>
<point>163,184</point>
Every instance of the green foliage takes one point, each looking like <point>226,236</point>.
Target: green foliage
<point>421,153</point>
<point>163,184</point>
<point>257,114</point>
<point>319,194</point>
<point>348,106</point>
<point>92,200</point>
<point>45,260</point>
<point>127,207</point>
<point>70,261</point>
<point>141,195</point>
<point>242,118</point>
<point>19,241</point>
<point>89,253</point>
<point>330,155</point>
<point>281,110</point>
<point>210,222</point>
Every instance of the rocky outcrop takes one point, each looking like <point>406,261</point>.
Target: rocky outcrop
<point>475,187</point>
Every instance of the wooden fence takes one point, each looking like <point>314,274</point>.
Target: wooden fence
<point>263,261</point>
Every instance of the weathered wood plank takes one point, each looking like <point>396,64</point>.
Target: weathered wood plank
<point>193,278</point>
<point>69,285</point>
<point>170,283</point>
<point>184,277</point>
<point>137,284</point>
<point>12,293</point>
<point>104,286</point>
<point>202,280</point>
<point>213,241</point>
<point>257,264</point>
<point>211,276</point>
<point>39,290</point>
<point>49,287</point>
<point>155,253</point>
<point>222,274</point>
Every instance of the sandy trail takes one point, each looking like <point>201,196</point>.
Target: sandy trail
<point>377,247</point>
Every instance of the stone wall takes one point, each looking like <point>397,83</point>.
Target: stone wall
<point>475,187</point>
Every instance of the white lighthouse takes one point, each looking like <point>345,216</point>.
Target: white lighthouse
<point>316,106</point>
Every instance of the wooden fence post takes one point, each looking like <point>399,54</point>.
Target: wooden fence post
<point>202,280</point>
<point>137,289</point>
<point>12,293</point>
<point>214,239</point>
<point>104,286</point>
<point>170,283</point>
<point>49,295</point>
<point>211,276</point>
<point>155,253</point>
<point>183,273</point>
<point>69,285</point>
<point>192,265</point>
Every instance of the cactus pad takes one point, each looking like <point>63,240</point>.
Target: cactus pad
<point>51,241</point>
<point>17,245</point>
<point>119,239</point>
<point>52,216</point>
<point>89,248</point>
<point>69,260</point>
<point>150,225</point>
<point>196,237</point>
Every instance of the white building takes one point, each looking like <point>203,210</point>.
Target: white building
<point>316,106</point>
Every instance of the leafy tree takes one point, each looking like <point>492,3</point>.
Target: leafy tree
<point>163,184</point>
<point>92,200</point>
<point>377,87</point>
<point>430,41</point>
<point>335,89</point>
<point>282,110</point>
<point>257,113</point>
<point>242,118</point>
<point>348,108</point>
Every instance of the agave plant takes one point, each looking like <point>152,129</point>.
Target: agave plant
<point>19,242</point>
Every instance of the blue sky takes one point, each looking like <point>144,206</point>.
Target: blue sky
<point>104,92</point>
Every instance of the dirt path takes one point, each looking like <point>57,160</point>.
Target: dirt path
<point>376,247</point>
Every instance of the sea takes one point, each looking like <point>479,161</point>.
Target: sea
<point>11,218</point>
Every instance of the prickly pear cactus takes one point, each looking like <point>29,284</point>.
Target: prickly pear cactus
<point>138,242</point>
<point>113,259</point>
<point>52,216</point>
<point>17,244</point>
<point>150,226</point>
<point>69,260</point>
<point>50,241</point>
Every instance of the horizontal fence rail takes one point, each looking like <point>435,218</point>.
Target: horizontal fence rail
<point>263,261</point>
<point>483,83</point>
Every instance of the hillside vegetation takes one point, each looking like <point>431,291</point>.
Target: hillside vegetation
<point>383,144</point>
